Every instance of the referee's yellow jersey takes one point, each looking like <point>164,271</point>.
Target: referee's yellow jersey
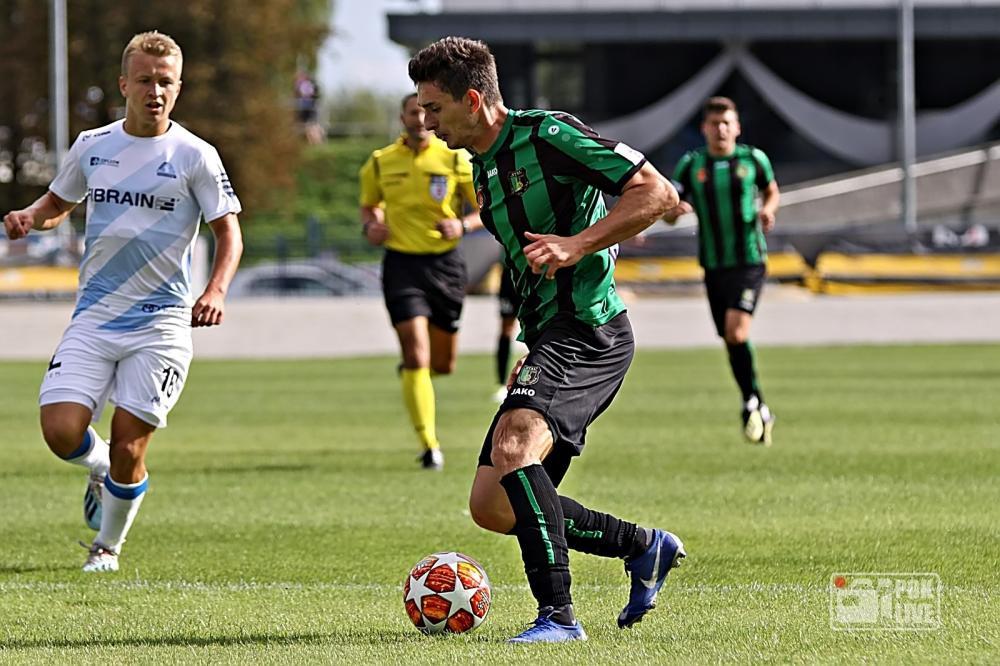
<point>418,190</point>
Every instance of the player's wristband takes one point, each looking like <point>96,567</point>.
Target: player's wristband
<point>364,228</point>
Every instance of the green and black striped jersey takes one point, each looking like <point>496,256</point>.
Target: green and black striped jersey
<point>723,192</point>
<point>545,174</point>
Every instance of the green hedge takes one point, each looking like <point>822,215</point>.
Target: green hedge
<point>322,218</point>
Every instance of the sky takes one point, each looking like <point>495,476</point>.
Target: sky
<point>359,54</point>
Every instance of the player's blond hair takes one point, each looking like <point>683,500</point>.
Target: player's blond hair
<point>151,43</point>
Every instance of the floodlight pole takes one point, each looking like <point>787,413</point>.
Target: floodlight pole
<point>58,90</point>
<point>58,95</point>
<point>907,124</point>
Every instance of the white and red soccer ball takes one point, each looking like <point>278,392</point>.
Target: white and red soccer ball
<point>447,592</point>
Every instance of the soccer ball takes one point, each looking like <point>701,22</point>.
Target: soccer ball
<point>447,593</point>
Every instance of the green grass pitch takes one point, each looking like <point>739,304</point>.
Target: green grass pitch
<point>286,507</point>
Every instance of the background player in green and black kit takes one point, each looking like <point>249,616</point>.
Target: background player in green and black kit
<point>721,183</point>
<point>539,177</point>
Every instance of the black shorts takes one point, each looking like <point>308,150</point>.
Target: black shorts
<point>733,289</point>
<point>424,285</point>
<point>571,375</point>
<point>510,299</point>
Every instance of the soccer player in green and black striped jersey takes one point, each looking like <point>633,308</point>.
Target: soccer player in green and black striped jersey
<point>539,178</point>
<point>721,183</point>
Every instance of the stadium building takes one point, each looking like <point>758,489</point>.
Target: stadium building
<point>816,82</point>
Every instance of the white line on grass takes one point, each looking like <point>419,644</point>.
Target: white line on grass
<point>277,586</point>
<point>254,586</point>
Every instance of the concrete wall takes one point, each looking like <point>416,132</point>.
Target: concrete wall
<point>319,328</point>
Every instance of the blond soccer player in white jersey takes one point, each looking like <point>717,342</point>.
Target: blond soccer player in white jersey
<point>148,183</point>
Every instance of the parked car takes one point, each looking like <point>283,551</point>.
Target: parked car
<point>305,278</point>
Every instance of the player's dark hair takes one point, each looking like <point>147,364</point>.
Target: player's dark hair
<point>456,64</point>
<point>402,104</point>
<point>718,105</point>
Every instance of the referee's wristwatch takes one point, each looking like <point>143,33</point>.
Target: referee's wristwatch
<point>465,226</point>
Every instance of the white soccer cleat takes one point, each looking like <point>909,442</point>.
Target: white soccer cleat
<point>753,426</point>
<point>100,559</point>
<point>753,420</point>
<point>767,418</point>
<point>500,395</point>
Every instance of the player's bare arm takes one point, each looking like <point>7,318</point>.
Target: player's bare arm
<point>46,213</point>
<point>769,206</point>
<point>644,199</point>
<point>683,208</point>
<point>208,310</point>
<point>373,224</point>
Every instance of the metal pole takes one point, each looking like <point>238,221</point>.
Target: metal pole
<point>58,91</point>
<point>59,97</point>
<point>907,124</point>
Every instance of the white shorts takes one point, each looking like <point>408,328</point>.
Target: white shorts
<point>142,372</point>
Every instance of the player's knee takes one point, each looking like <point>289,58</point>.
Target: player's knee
<point>516,439</point>
<point>509,452</point>
<point>61,435</point>
<point>736,335</point>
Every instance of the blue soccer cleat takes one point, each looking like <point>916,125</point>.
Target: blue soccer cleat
<point>546,630</point>
<point>648,571</point>
<point>92,501</point>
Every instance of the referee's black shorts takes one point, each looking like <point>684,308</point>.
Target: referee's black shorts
<point>424,285</point>
<point>571,374</point>
<point>733,289</point>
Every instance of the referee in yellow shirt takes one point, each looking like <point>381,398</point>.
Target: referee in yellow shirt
<point>413,193</point>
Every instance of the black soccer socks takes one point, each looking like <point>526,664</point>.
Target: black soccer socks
<point>503,359</point>
<point>741,360</point>
<point>589,531</point>
<point>540,533</point>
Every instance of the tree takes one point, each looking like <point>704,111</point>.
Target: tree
<point>239,64</point>
<point>24,111</point>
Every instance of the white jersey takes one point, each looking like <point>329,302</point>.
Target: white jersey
<point>145,197</point>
